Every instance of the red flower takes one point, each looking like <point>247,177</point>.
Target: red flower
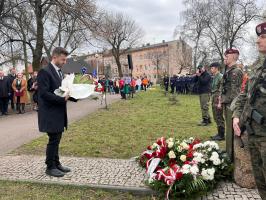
<point>178,175</point>
<point>196,141</point>
<point>171,163</point>
<point>149,148</point>
<point>190,155</point>
<point>187,162</point>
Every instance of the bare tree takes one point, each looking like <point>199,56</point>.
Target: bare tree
<point>218,25</point>
<point>195,25</point>
<point>42,24</point>
<point>119,32</point>
<point>185,57</point>
<point>157,57</point>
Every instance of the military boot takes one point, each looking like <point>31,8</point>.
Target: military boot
<point>204,122</point>
<point>220,135</point>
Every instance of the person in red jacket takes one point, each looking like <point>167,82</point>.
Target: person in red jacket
<point>121,87</point>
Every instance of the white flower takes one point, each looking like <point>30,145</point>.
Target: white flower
<point>184,145</point>
<point>183,158</point>
<point>198,157</point>
<point>215,158</point>
<point>186,169</point>
<point>194,170</point>
<point>171,154</point>
<point>169,140</point>
<point>208,174</point>
<point>211,144</point>
<point>155,145</point>
<point>170,145</point>
<point>196,146</point>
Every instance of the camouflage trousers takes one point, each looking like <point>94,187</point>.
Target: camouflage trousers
<point>204,105</point>
<point>217,113</point>
<point>257,147</point>
<point>229,134</point>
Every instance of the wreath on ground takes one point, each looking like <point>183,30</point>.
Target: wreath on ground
<point>185,169</point>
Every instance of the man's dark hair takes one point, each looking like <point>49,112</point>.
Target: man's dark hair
<point>216,64</point>
<point>59,50</point>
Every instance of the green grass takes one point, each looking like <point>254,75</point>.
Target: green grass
<point>128,127</point>
<point>32,191</point>
<point>79,80</point>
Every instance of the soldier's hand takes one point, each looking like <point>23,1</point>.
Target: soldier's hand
<point>236,126</point>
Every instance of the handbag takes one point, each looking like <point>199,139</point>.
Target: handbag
<point>19,94</point>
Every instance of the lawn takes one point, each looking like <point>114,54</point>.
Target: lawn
<point>128,127</point>
<point>33,191</point>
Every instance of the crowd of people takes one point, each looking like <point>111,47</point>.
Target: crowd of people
<point>14,90</point>
<point>17,92</point>
<point>183,84</point>
<point>125,86</point>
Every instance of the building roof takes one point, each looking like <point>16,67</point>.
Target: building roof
<point>141,48</point>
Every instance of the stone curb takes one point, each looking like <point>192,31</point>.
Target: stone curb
<point>134,190</point>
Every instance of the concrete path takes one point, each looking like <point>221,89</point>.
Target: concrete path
<point>100,173</point>
<point>16,130</point>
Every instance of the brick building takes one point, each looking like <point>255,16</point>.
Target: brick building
<point>153,61</point>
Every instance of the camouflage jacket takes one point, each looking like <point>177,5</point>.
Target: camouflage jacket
<point>231,84</point>
<point>259,103</point>
<point>216,84</point>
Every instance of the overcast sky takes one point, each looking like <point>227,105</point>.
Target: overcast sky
<point>158,18</point>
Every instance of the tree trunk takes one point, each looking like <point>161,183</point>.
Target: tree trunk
<point>37,54</point>
<point>118,63</point>
<point>25,57</point>
<point>119,66</point>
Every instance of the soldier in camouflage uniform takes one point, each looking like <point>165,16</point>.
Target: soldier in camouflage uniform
<point>250,112</point>
<point>230,88</point>
<point>215,92</point>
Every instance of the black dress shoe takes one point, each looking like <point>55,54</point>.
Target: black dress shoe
<point>63,169</point>
<point>54,172</point>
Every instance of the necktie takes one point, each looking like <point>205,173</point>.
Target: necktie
<point>60,74</point>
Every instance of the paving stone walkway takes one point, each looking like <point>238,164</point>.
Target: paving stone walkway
<point>119,174</point>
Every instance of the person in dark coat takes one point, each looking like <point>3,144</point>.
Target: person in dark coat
<point>203,79</point>
<point>173,83</point>
<point>12,76</point>
<point>166,83</point>
<point>4,93</point>
<point>52,115</point>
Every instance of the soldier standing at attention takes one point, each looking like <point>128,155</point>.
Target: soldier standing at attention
<point>250,112</point>
<point>215,92</point>
<point>230,88</point>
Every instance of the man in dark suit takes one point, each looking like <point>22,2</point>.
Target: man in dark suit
<point>4,93</point>
<point>12,76</point>
<point>52,115</point>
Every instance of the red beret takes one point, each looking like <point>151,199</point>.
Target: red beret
<point>231,51</point>
<point>261,29</point>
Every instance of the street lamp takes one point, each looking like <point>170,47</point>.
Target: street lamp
<point>97,56</point>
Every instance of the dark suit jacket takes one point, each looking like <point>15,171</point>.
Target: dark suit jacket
<point>204,83</point>
<point>52,114</point>
<point>4,87</point>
